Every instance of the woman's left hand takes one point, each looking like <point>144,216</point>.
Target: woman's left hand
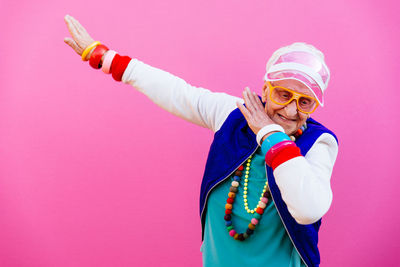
<point>254,112</point>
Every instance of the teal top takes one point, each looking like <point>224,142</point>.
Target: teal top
<point>269,245</point>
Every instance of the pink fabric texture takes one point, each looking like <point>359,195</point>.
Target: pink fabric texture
<point>92,173</point>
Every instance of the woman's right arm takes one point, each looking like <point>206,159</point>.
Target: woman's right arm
<point>194,104</point>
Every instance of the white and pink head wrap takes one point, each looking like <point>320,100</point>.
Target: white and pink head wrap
<point>302,62</point>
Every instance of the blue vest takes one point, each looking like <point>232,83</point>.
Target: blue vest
<point>233,143</point>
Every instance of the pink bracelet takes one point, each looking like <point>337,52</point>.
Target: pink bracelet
<point>273,151</point>
<point>108,58</point>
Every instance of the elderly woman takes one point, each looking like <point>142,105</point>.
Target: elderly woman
<point>266,183</point>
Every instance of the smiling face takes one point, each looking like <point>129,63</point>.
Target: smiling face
<point>286,116</point>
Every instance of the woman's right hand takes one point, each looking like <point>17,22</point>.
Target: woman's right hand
<point>80,37</point>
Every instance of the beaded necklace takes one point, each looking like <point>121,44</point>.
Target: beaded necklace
<point>262,204</point>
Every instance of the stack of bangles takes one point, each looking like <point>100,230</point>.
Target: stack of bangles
<point>279,147</point>
<point>112,62</point>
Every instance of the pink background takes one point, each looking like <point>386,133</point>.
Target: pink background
<point>92,173</point>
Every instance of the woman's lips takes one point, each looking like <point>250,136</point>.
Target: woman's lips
<point>284,118</point>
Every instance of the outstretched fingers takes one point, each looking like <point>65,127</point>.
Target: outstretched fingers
<point>244,110</point>
<point>73,44</point>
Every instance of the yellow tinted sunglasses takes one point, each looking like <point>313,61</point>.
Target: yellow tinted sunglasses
<point>283,96</point>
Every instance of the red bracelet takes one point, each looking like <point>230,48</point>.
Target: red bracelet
<point>96,56</point>
<point>285,155</point>
<point>118,66</point>
<point>274,150</point>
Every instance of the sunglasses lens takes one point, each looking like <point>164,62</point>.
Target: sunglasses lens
<point>281,95</point>
<point>306,104</point>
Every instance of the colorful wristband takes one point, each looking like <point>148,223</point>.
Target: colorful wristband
<point>274,151</point>
<point>118,66</point>
<point>108,58</point>
<point>285,155</point>
<point>97,54</point>
<point>88,49</point>
<point>267,129</point>
<point>272,140</point>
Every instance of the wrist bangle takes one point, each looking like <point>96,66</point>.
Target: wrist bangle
<point>108,58</point>
<point>96,56</point>
<point>287,154</point>
<point>267,129</point>
<point>87,49</point>
<point>274,151</point>
<point>118,66</point>
<point>272,140</point>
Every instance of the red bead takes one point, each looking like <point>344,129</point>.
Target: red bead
<point>230,200</point>
<point>241,168</point>
<point>260,210</point>
<point>228,211</point>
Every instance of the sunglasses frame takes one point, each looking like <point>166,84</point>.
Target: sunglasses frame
<point>295,95</point>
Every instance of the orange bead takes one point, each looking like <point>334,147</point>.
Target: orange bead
<point>228,206</point>
<point>236,236</point>
<point>299,132</point>
<point>252,226</point>
<point>231,195</point>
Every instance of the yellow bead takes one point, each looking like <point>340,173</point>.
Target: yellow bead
<point>245,201</point>
<point>252,211</point>
<point>245,192</point>
<point>246,176</point>
<point>246,180</point>
<point>244,196</point>
<point>245,184</point>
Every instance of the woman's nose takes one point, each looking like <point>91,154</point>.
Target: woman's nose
<point>291,108</point>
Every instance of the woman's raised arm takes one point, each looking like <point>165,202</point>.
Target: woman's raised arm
<point>194,104</point>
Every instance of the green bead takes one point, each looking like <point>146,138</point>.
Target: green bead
<point>257,216</point>
<point>229,228</point>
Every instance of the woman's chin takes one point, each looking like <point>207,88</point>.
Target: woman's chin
<point>288,126</point>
